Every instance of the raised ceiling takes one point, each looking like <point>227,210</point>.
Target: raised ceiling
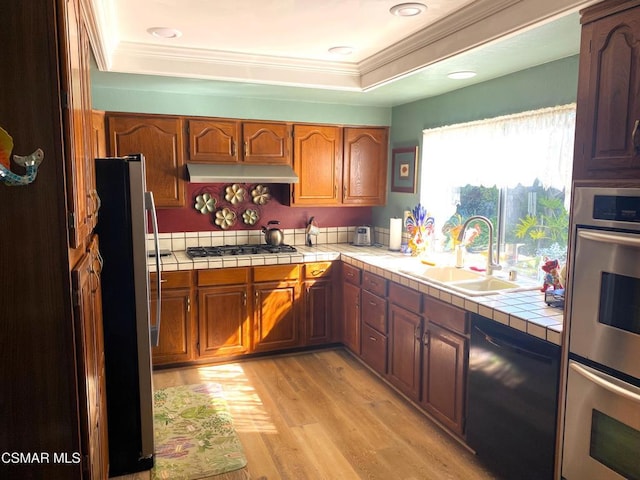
<point>280,48</point>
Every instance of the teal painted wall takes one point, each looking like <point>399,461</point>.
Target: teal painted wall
<point>163,95</point>
<point>547,85</point>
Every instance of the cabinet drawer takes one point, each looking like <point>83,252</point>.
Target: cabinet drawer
<point>446,315</point>
<point>351,274</point>
<point>317,270</point>
<point>405,297</point>
<point>171,279</point>
<point>223,276</point>
<point>374,349</point>
<point>276,273</point>
<point>374,283</point>
<point>374,311</point>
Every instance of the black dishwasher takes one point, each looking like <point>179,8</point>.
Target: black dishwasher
<point>512,400</point>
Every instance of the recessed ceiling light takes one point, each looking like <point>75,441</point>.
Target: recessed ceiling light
<point>164,32</point>
<point>462,75</point>
<point>407,9</point>
<point>342,50</point>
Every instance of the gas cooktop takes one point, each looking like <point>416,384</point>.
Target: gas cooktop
<point>223,250</point>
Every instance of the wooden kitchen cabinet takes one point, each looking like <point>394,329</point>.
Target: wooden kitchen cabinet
<point>82,200</point>
<point>374,322</point>
<point>98,135</point>
<point>364,174</point>
<point>276,291</point>
<point>351,307</point>
<point>317,160</point>
<point>608,106</point>
<point>161,140</point>
<point>445,358</point>
<point>90,346</point>
<point>176,322</point>
<point>219,140</point>
<point>318,303</point>
<point>404,365</point>
<point>223,313</point>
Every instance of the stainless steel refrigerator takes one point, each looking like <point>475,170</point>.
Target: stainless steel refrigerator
<point>126,212</point>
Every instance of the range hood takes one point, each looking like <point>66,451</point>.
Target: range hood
<point>209,173</point>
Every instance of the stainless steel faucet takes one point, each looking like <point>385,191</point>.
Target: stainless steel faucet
<point>491,265</point>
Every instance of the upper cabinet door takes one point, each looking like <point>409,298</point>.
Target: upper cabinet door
<point>267,143</point>
<point>160,139</point>
<point>82,202</point>
<point>214,140</point>
<point>317,159</point>
<point>608,113</point>
<point>365,166</point>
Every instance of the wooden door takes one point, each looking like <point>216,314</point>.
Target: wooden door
<point>91,366</point>
<point>160,139</point>
<point>608,111</point>
<point>317,160</point>
<point>176,332</point>
<point>223,321</point>
<point>214,140</point>
<point>318,311</point>
<point>266,143</point>
<point>444,365</point>
<point>275,325</point>
<point>405,350</point>
<point>364,175</point>
<point>351,324</point>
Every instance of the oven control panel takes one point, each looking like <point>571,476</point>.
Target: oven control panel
<point>616,208</point>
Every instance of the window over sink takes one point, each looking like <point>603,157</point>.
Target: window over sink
<point>514,170</point>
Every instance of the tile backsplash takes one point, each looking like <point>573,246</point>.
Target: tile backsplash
<point>177,241</point>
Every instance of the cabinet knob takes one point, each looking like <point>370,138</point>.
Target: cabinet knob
<point>635,138</point>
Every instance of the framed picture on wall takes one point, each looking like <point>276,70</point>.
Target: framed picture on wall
<point>404,169</point>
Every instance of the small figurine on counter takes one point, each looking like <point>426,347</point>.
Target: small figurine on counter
<point>551,269</point>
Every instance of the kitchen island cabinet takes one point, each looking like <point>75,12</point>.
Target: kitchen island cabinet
<point>607,137</point>
<point>176,321</point>
<point>161,140</point>
<point>224,326</point>
<point>276,291</point>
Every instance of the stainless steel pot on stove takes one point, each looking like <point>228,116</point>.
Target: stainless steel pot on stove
<point>273,236</point>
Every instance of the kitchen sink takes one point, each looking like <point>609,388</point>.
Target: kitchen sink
<point>465,281</point>
<point>443,274</point>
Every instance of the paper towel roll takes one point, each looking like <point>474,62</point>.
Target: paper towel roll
<point>395,234</point>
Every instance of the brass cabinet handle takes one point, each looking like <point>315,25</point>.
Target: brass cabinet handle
<point>188,304</point>
<point>372,303</point>
<point>416,332</point>
<point>315,273</point>
<point>635,138</point>
<point>373,339</point>
<point>233,148</point>
<point>425,338</point>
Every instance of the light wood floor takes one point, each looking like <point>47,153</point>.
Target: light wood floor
<point>323,415</point>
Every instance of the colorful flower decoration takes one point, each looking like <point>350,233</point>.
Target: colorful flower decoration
<point>260,195</point>
<point>235,194</point>
<point>225,218</point>
<point>205,203</point>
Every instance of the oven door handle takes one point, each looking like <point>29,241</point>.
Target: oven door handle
<point>607,382</point>
<point>610,238</point>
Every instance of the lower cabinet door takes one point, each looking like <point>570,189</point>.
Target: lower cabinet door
<point>374,349</point>
<point>318,311</point>
<point>351,324</point>
<point>443,389</point>
<point>405,347</point>
<point>176,326</point>
<point>275,324</point>
<point>223,321</point>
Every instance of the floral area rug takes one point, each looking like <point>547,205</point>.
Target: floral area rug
<point>194,434</point>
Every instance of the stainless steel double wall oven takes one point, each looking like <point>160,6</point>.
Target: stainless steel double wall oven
<point>601,422</point>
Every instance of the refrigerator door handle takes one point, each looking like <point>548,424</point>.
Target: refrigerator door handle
<point>150,206</point>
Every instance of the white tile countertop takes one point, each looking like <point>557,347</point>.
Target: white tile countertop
<point>524,310</point>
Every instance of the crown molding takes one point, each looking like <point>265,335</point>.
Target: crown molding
<point>100,20</point>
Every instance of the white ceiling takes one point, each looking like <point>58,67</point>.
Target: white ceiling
<point>279,48</point>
